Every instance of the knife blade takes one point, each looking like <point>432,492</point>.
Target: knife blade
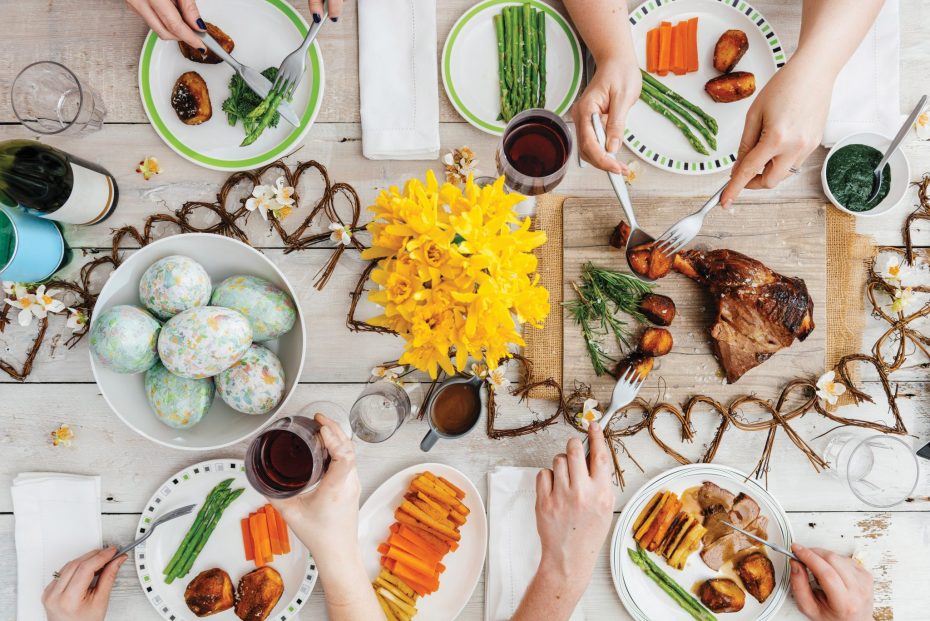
<point>253,79</point>
<point>777,548</point>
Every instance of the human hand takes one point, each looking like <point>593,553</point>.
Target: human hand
<point>172,20</point>
<point>70,596</point>
<point>845,592</point>
<point>574,508</point>
<point>327,517</point>
<point>784,124</point>
<point>335,10</point>
<point>611,93</point>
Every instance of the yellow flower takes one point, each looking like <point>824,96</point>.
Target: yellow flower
<point>148,167</point>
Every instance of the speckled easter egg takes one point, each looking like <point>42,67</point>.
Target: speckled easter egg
<point>174,284</point>
<point>124,339</point>
<point>204,340</point>
<point>270,311</point>
<point>177,401</point>
<point>255,384</point>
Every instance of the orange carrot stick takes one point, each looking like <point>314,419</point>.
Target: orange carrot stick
<point>426,486</point>
<point>459,493</point>
<point>247,540</point>
<point>422,539</point>
<point>282,531</point>
<point>262,542</point>
<point>272,530</point>
<point>652,50</point>
<point>256,540</point>
<point>403,518</point>
<point>425,568</point>
<point>692,53</point>
<point>408,574</point>
<point>679,35</point>
<point>665,48</point>
<point>426,554</point>
<point>444,528</point>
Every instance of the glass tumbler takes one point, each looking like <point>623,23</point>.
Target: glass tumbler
<point>881,470</point>
<point>379,411</point>
<point>48,98</point>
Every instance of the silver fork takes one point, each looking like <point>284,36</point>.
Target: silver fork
<point>625,390</point>
<point>165,518</point>
<point>680,234</point>
<point>291,71</point>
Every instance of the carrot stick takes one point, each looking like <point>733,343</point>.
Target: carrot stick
<point>410,576</point>
<point>652,50</point>
<point>256,540</point>
<point>679,36</point>
<point>440,515</point>
<point>665,48</point>
<point>262,540</point>
<point>282,531</point>
<point>692,52</point>
<point>441,527</point>
<point>388,613</point>
<point>272,530</point>
<point>424,567</point>
<point>247,540</point>
<point>395,527</point>
<point>418,587</point>
<point>425,554</point>
<point>425,530</point>
<point>426,486</point>
<point>459,493</point>
<point>422,539</point>
<point>450,514</point>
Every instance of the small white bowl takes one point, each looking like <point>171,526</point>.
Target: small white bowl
<point>900,173</point>
<point>125,394</point>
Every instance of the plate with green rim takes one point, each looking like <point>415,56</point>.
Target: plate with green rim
<point>264,32</point>
<point>223,549</point>
<point>470,67</point>
<point>655,139</point>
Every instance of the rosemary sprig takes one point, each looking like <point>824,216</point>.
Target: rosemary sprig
<point>601,295</point>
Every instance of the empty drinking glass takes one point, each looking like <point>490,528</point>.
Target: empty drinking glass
<point>379,411</point>
<point>881,470</point>
<point>49,99</point>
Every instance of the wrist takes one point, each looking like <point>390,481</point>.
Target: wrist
<point>558,570</point>
<point>815,63</point>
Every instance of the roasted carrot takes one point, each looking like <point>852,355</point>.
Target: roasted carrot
<point>652,50</point>
<point>410,575</point>
<point>692,51</point>
<point>247,540</point>
<point>283,537</point>
<point>412,547</point>
<point>273,538</point>
<point>460,494</point>
<point>422,484</point>
<point>423,538</point>
<point>256,540</point>
<point>424,567</point>
<point>665,48</point>
<point>436,511</point>
<point>444,528</point>
<point>449,513</point>
<point>418,587</point>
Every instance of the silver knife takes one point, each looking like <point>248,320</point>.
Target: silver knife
<point>253,79</point>
<point>773,546</point>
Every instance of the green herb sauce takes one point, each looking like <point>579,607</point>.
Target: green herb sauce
<point>849,176</point>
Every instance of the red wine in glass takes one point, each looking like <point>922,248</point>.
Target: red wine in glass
<point>534,152</point>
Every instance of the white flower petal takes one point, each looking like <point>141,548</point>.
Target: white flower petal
<point>24,317</point>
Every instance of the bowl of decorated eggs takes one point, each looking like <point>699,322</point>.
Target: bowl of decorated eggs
<point>197,341</point>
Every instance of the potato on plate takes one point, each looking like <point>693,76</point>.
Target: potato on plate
<point>207,57</point>
<point>729,50</point>
<point>731,87</point>
<point>258,593</point>
<point>722,595</point>
<point>190,99</point>
<point>209,593</point>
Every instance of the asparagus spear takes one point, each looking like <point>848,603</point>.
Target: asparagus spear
<point>206,532</point>
<point>205,509</point>
<point>518,61</point>
<point>658,107</point>
<point>273,100</point>
<point>529,63</point>
<point>541,63</point>
<point>502,67</point>
<point>512,34</point>
<point>708,119</point>
<point>684,599</point>
<point>672,105</point>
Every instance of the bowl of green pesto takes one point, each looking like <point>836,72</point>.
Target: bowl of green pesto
<point>847,175</point>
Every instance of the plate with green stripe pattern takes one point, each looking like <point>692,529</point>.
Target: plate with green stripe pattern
<point>264,32</point>
<point>470,64</point>
<point>223,549</point>
<point>654,138</point>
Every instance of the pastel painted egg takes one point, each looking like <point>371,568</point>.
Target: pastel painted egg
<point>270,311</point>
<point>124,339</point>
<point>204,340</point>
<point>255,384</point>
<point>177,401</point>
<point>174,284</point>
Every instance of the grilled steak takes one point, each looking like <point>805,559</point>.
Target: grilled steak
<point>758,311</point>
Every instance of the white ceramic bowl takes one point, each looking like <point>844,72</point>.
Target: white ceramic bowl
<point>221,426</point>
<point>900,173</point>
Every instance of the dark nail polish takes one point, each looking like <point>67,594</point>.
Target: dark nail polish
<point>335,19</point>
<point>202,50</point>
<point>316,18</point>
<point>201,24</point>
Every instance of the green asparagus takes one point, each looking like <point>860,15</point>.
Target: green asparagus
<point>710,121</point>
<point>658,107</point>
<point>521,55</point>
<point>529,51</point>
<point>684,599</point>
<point>205,533</point>
<point>672,105</point>
<point>502,67</point>
<point>198,521</point>
<point>541,48</point>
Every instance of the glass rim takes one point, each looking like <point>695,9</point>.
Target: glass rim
<point>70,123</point>
<point>552,116</point>
<point>905,445</point>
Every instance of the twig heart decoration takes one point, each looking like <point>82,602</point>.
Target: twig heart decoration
<point>842,369</point>
<point>523,390</point>
<point>899,324</point>
<point>921,213</point>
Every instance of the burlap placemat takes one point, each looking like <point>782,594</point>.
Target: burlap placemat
<point>544,346</point>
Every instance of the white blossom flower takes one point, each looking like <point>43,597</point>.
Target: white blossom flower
<point>497,380</point>
<point>891,269</point>
<point>77,318</point>
<point>47,302</point>
<point>922,125</point>
<point>382,372</point>
<point>263,200</point>
<point>634,168</point>
<point>479,370</point>
<point>828,389</point>
<point>589,413</point>
<point>27,305</point>
<point>459,163</point>
<point>340,233</point>
<point>903,298</point>
<point>283,193</point>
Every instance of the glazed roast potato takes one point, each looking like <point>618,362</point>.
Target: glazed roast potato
<point>731,87</point>
<point>758,575</point>
<point>640,363</point>
<point>722,595</point>
<point>646,260</point>
<point>620,234</point>
<point>729,49</point>
<point>656,342</point>
<point>658,309</point>
<point>258,593</point>
<point>208,57</point>
<point>209,593</point>
<point>191,99</point>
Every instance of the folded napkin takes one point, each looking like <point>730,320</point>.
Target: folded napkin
<point>57,519</point>
<point>866,95</point>
<point>513,545</point>
<point>398,84</point>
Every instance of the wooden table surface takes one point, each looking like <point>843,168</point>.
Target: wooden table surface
<point>101,39</point>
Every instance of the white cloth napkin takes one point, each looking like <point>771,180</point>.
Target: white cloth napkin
<point>398,84</point>
<point>57,518</point>
<point>513,545</point>
<point>866,96</point>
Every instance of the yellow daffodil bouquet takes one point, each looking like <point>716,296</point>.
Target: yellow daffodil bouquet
<point>456,271</point>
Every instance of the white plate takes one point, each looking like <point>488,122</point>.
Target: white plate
<point>463,567</point>
<point>470,68</point>
<point>654,138</point>
<point>643,599</point>
<point>265,32</point>
<point>224,548</point>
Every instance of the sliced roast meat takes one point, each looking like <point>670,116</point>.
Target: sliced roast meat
<point>711,494</point>
<point>713,516</point>
<point>718,552</point>
<point>744,510</point>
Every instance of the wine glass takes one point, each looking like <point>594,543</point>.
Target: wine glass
<point>48,98</point>
<point>379,411</point>
<point>534,152</point>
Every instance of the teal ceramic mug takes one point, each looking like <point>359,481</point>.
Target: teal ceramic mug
<point>31,249</point>
<point>453,410</point>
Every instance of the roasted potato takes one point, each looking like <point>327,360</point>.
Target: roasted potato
<point>656,342</point>
<point>209,593</point>
<point>758,575</point>
<point>190,99</point>
<point>646,260</point>
<point>641,363</point>
<point>207,56</point>
<point>729,50</point>
<point>722,595</point>
<point>731,87</point>
<point>658,309</point>
<point>620,235</point>
<point>258,593</point>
